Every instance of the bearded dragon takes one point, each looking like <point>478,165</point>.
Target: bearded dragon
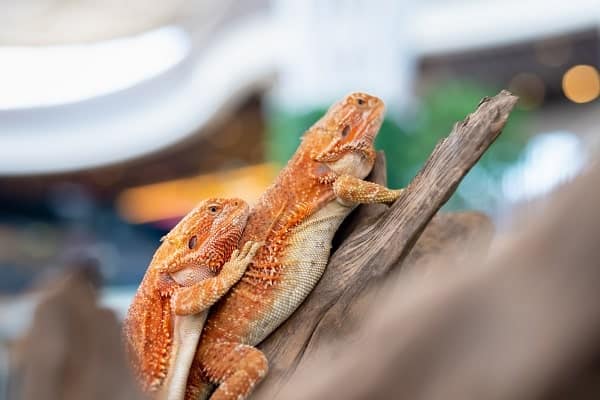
<point>187,274</point>
<point>296,219</point>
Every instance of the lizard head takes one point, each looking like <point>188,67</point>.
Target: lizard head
<point>205,237</point>
<point>349,129</point>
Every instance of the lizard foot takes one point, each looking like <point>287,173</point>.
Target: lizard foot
<point>351,190</point>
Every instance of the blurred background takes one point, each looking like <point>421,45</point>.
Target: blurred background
<point>116,118</point>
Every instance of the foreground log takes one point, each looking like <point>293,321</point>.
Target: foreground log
<point>522,322</point>
<point>375,246</point>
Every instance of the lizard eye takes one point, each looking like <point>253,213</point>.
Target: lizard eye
<point>346,131</point>
<point>213,209</point>
<point>360,101</point>
<point>192,242</point>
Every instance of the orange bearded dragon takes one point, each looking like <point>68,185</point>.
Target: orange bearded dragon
<point>296,219</point>
<point>188,273</point>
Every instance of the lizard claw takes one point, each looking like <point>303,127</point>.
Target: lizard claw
<point>241,259</point>
<point>245,249</point>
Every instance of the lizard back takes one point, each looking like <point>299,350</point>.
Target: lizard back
<point>296,218</point>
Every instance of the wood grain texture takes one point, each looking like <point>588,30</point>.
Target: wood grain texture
<point>378,240</point>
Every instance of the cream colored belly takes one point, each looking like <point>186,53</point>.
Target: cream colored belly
<point>186,332</point>
<point>303,265</point>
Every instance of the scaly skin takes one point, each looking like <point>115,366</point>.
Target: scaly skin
<point>296,219</point>
<point>187,274</point>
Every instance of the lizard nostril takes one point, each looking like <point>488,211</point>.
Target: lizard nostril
<point>346,131</point>
<point>192,242</point>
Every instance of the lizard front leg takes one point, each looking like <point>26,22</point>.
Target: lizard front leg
<point>351,190</point>
<point>200,296</point>
<point>190,304</point>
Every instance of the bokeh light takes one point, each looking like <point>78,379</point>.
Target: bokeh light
<point>581,84</point>
<point>549,160</point>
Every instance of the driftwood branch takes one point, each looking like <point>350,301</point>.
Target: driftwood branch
<point>373,248</point>
<point>520,323</point>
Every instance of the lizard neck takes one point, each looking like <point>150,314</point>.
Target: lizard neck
<point>298,183</point>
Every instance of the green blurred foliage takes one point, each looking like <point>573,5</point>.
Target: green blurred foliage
<point>408,143</point>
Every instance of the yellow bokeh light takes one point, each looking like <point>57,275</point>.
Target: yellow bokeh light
<point>173,199</point>
<point>581,84</point>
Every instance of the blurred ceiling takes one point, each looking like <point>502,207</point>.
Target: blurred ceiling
<point>42,22</point>
<point>226,145</point>
<point>36,22</point>
<point>129,115</point>
<point>229,58</point>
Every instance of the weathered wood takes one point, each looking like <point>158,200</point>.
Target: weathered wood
<point>373,248</point>
<point>519,323</point>
<point>461,234</point>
